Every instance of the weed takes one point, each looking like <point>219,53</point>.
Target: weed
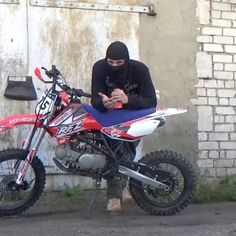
<point>217,191</point>
<point>223,190</point>
<point>76,194</point>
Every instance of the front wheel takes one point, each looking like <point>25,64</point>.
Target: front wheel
<point>174,171</point>
<point>14,199</point>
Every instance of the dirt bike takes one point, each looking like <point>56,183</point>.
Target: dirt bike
<point>93,144</point>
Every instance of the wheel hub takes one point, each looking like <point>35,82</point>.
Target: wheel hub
<point>171,182</point>
<point>13,186</point>
<point>9,184</point>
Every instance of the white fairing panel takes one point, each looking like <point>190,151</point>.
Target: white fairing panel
<point>146,127</point>
<point>143,128</point>
<point>167,112</point>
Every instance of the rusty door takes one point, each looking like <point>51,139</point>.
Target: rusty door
<point>41,33</point>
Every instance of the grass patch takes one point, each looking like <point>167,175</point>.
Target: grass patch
<point>76,194</point>
<point>217,191</point>
<point>223,190</point>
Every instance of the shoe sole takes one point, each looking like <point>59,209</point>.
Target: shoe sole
<point>116,211</point>
<point>127,201</point>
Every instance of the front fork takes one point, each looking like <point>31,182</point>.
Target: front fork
<point>31,154</point>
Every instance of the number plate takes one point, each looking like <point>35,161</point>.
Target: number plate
<point>45,104</point>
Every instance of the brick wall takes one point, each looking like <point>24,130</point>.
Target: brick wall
<point>216,88</point>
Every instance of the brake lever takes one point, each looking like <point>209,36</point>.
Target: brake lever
<point>47,72</point>
<point>54,72</point>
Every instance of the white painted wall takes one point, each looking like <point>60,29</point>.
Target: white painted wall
<point>72,39</point>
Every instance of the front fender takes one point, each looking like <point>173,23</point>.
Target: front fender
<point>16,120</point>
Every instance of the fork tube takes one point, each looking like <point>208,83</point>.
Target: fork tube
<point>41,133</point>
<point>34,149</point>
<point>27,141</point>
<point>30,156</point>
<point>25,167</point>
<point>39,139</point>
<point>25,145</point>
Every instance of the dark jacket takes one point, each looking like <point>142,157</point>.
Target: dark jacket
<point>137,85</point>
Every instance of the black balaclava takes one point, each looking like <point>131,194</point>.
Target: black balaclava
<point>118,51</point>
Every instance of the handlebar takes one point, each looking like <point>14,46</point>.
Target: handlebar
<point>54,73</point>
<point>81,93</point>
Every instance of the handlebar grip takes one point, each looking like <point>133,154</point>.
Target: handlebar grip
<point>66,87</point>
<point>81,93</point>
<point>87,95</point>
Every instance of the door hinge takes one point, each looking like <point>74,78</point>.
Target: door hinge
<point>9,1</point>
<point>148,9</point>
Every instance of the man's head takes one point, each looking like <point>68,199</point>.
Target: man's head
<point>117,57</point>
<point>117,51</point>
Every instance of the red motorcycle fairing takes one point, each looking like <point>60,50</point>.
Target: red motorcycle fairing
<point>20,119</point>
<point>132,130</point>
<point>73,119</point>
<point>124,124</point>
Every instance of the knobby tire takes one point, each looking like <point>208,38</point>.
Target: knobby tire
<point>37,188</point>
<point>138,192</point>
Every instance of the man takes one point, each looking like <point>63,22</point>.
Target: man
<point>119,82</point>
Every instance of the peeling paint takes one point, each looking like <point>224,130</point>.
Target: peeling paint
<point>72,39</point>
<point>77,47</point>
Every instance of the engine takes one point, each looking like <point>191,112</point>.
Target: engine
<point>80,156</point>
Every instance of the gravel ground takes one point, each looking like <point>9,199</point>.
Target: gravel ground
<point>55,214</point>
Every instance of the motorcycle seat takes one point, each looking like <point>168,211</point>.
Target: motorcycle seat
<point>115,117</point>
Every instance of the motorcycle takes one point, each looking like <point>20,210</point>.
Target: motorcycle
<point>93,144</point>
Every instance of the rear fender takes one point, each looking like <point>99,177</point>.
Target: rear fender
<point>16,120</point>
<point>162,112</point>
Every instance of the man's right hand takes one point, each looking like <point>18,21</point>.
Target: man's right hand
<point>107,102</point>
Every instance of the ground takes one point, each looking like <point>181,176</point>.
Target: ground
<point>55,214</point>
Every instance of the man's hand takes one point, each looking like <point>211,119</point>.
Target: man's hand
<point>118,95</point>
<point>109,103</point>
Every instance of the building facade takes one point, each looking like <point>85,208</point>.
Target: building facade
<point>216,87</point>
<point>189,46</point>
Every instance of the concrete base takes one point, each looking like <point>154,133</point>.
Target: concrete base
<point>61,181</point>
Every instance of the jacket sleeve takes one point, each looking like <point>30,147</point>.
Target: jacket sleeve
<point>98,85</point>
<point>146,97</point>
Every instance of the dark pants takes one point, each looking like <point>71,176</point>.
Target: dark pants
<point>116,185</point>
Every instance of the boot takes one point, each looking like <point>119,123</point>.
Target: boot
<point>126,196</point>
<point>114,206</point>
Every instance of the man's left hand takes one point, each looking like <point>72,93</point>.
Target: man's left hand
<point>118,95</point>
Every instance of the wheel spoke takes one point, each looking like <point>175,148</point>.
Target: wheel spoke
<point>15,198</point>
<point>172,170</point>
<point>176,190</point>
<point>172,197</point>
<point>175,185</point>
<point>30,182</point>
<point>7,189</point>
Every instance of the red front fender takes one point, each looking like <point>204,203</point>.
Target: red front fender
<point>22,119</point>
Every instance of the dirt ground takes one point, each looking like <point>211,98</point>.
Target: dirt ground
<point>55,214</point>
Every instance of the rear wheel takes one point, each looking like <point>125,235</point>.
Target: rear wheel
<point>178,174</point>
<point>14,199</point>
